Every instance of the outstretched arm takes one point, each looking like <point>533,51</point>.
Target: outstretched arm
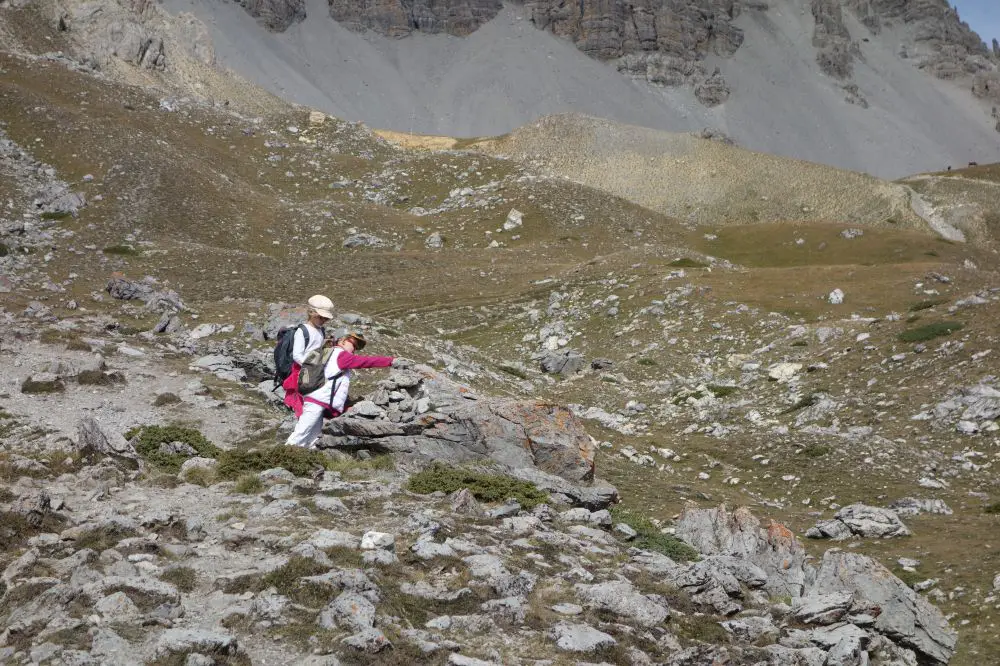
<point>348,361</point>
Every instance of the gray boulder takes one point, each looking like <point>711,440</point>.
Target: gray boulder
<point>860,520</point>
<point>911,506</point>
<point>621,598</point>
<point>774,549</point>
<point>580,638</point>
<point>906,617</point>
<point>824,608</point>
<point>363,240</point>
<point>566,362</point>
<point>93,443</point>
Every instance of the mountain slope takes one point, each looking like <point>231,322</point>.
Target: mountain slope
<point>784,89</point>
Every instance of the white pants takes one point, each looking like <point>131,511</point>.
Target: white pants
<point>309,427</point>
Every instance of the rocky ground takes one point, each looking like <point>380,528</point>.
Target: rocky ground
<point>614,433</point>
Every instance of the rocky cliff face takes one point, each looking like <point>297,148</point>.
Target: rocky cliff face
<point>399,18</point>
<point>275,15</point>
<point>665,42</point>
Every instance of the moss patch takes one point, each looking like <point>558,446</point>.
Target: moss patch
<point>122,251</point>
<point>931,331</point>
<point>928,304</point>
<point>484,486</point>
<point>149,439</point>
<point>685,262</point>
<point>720,391</point>
<point>513,371</point>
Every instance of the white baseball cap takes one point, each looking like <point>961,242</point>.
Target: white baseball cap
<point>322,305</point>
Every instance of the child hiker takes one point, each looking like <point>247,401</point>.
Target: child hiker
<point>330,399</point>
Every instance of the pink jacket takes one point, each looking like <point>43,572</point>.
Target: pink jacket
<point>345,361</point>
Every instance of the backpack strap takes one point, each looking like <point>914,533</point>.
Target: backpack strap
<point>333,389</point>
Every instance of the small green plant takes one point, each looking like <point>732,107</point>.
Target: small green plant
<point>97,378</point>
<point>513,370</point>
<point>803,402</point>
<point>910,578</point>
<point>249,484</point>
<point>4,250</point>
<point>56,215</point>
<point>389,332</point>
<point>149,438</point>
<point>928,304</point>
<point>286,580</point>
<point>200,476</point>
<point>301,462</point>
<point>931,331</point>
<point>183,578</point>
<point>122,251</point>
<point>164,399</point>
<point>722,391</point>
<point>992,509</point>
<point>78,345</point>
<point>651,538</point>
<point>685,262</point>
<point>102,538</point>
<point>484,486</point>
<point>800,343</point>
<point>816,450</point>
<point>647,362</point>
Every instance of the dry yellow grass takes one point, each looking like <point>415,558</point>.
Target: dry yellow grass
<point>418,141</point>
<point>702,181</point>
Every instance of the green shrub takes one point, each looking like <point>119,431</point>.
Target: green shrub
<point>928,304</point>
<point>800,343</point>
<point>183,578</point>
<point>122,251</point>
<point>98,378</point>
<point>56,215</point>
<point>149,439</point>
<point>286,580</point>
<point>648,362</point>
<point>816,450</point>
<point>806,401</point>
<point>992,509</point>
<point>931,331</point>
<point>104,537</point>
<point>4,250</point>
<point>651,538</point>
<point>910,578</point>
<point>513,370</point>
<point>164,399</point>
<point>721,391</point>
<point>685,262</point>
<point>301,462</point>
<point>484,486</point>
<point>249,484</point>
<point>200,476</point>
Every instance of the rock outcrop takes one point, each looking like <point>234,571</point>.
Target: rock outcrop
<point>396,18</point>
<point>136,32</point>
<point>276,15</point>
<point>422,414</point>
